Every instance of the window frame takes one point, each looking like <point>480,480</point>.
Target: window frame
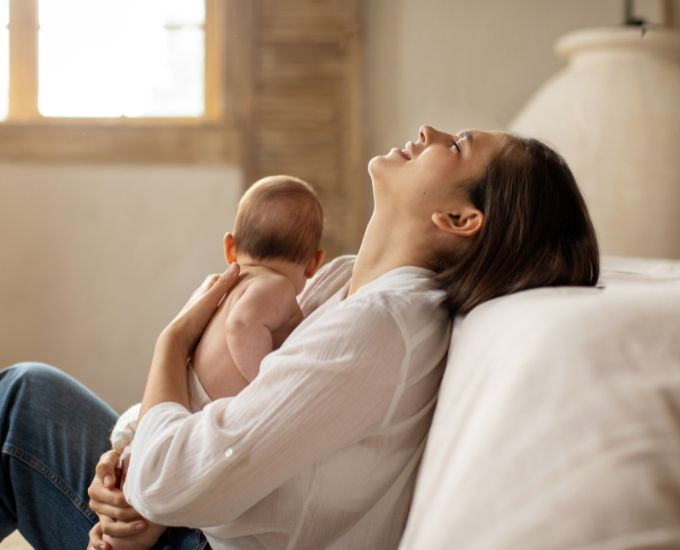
<point>27,135</point>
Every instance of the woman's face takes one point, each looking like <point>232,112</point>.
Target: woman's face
<point>425,174</point>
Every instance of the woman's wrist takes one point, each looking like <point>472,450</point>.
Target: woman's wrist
<point>168,354</point>
<point>167,376</point>
<point>169,343</point>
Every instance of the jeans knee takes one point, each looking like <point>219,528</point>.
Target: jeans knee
<point>33,393</point>
<point>34,375</point>
<point>31,367</point>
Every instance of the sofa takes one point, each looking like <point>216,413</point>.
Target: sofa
<point>558,420</point>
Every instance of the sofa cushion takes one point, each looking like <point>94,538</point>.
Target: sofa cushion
<point>558,420</point>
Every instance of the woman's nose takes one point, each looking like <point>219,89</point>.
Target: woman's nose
<point>427,134</point>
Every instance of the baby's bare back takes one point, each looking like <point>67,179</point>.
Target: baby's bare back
<point>255,318</point>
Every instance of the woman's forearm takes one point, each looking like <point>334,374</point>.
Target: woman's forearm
<point>167,380</point>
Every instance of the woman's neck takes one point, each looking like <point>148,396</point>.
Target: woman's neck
<point>382,249</point>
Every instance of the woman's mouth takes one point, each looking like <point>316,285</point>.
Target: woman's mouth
<point>402,152</point>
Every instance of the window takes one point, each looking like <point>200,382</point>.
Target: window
<point>143,58</point>
<point>103,58</point>
<point>84,79</point>
<point>4,58</point>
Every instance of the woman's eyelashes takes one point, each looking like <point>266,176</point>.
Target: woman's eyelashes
<point>455,144</point>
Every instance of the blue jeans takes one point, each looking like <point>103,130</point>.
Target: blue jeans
<point>52,433</point>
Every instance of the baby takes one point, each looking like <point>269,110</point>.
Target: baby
<point>276,241</point>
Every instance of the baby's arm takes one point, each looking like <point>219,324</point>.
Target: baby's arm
<point>266,307</point>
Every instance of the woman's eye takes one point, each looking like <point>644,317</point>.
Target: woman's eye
<point>455,144</point>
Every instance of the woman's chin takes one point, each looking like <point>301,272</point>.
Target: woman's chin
<point>378,164</point>
<point>374,165</point>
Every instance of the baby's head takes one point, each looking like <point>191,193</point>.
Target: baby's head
<point>278,218</point>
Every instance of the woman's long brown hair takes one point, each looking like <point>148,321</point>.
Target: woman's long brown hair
<point>536,232</point>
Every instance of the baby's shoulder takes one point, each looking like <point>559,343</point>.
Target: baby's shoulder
<point>269,298</point>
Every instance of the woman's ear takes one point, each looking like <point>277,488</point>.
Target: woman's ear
<point>466,222</point>
<point>315,262</point>
<point>229,248</point>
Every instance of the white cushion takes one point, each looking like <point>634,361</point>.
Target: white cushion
<point>558,421</point>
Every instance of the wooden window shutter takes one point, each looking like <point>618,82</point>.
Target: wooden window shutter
<point>304,107</point>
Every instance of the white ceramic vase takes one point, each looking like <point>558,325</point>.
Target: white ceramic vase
<point>614,114</point>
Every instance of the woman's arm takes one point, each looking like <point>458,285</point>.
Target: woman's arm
<point>167,380</point>
<point>323,391</point>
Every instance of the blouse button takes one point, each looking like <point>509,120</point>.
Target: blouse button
<point>229,452</point>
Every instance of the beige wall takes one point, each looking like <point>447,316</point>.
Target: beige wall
<point>96,259</point>
<point>457,64</point>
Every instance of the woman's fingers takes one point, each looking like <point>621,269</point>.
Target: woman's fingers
<point>103,495</point>
<point>106,468</point>
<point>210,293</point>
<point>214,289</point>
<point>126,513</point>
<point>121,528</point>
<point>96,542</point>
<point>205,285</point>
<point>185,330</point>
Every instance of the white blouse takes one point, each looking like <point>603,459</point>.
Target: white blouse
<point>321,449</point>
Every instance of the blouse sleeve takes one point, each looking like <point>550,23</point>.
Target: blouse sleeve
<point>324,391</point>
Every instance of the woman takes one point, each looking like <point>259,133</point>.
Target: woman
<point>321,449</point>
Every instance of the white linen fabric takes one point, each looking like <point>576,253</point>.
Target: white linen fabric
<point>558,421</point>
<point>321,449</point>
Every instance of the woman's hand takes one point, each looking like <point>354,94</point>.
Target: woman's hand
<point>96,541</point>
<point>185,330</point>
<point>120,527</point>
<point>144,540</point>
<point>106,494</point>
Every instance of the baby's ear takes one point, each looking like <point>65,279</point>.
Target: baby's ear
<point>315,262</point>
<point>229,248</point>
